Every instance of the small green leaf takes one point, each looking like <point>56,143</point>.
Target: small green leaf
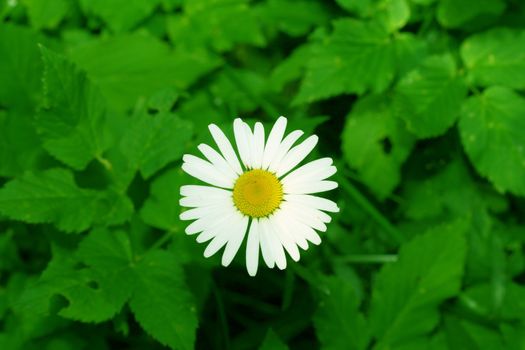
<point>53,197</point>
<point>491,128</point>
<point>72,122</point>
<point>48,13</point>
<point>272,342</point>
<point>120,15</point>
<point>429,98</point>
<point>496,57</point>
<point>153,141</point>
<point>219,24</point>
<point>358,56</point>
<point>454,14</point>
<point>162,303</point>
<point>376,144</point>
<point>131,66</point>
<point>338,323</point>
<point>407,293</point>
<point>162,208</point>
<point>20,68</point>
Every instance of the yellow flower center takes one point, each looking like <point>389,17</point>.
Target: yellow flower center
<point>257,193</point>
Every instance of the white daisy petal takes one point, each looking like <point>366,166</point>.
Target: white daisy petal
<point>252,248</point>
<point>235,241</point>
<point>265,245</point>
<point>284,236</point>
<point>258,145</point>
<point>223,225</point>
<point>275,244</point>
<point>306,170</point>
<point>274,140</point>
<point>310,187</point>
<point>202,191</point>
<point>304,216</point>
<point>225,147</point>
<point>217,160</point>
<point>249,150</point>
<point>284,147</point>
<point>213,220</point>
<point>297,234</point>
<point>241,139</point>
<point>313,201</point>
<point>206,172</point>
<point>296,155</point>
<point>236,225</point>
<point>196,213</point>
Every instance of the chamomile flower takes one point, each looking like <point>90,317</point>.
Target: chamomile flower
<point>257,193</point>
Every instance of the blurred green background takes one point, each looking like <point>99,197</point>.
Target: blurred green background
<point>419,102</point>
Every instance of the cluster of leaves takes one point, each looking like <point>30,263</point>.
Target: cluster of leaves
<point>420,102</point>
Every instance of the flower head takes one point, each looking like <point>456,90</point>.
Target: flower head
<point>260,195</point>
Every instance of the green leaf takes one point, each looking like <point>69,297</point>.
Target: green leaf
<point>291,68</point>
<point>376,144</point>
<point>293,17</point>
<point>219,24</point>
<point>429,98</point>
<point>20,147</point>
<point>72,122</point>
<point>491,128</point>
<point>120,15</point>
<point>454,14</point>
<point>20,68</point>
<point>46,13</point>
<point>133,66</point>
<point>338,323</point>
<point>154,141</point>
<point>358,56</point>
<point>463,334</point>
<point>162,208</point>
<point>162,303</point>
<point>53,197</point>
<point>496,57</point>
<point>394,14</point>
<point>406,294</point>
<point>272,342</point>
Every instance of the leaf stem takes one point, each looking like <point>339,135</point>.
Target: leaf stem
<point>368,207</point>
<point>368,258</point>
<point>162,240</point>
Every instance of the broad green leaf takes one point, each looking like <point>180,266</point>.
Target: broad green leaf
<point>464,334</point>
<point>406,293</point>
<point>338,323</point>
<point>53,197</point>
<point>162,208</point>
<point>73,119</point>
<point>357,57</point>
<point>291,68</point>
<point>376,144</point>
<point>20,68</point>
<point>429,98</point>
<point>293,17</point>
<point>132,66</point>
<point>220,24</point>
<point>491,128</point>
<point>153,141</point>
<point>120,15</point>
<point>394,14</point>
<point>510,305</point>
<point>162,303</point>
<point>85,301</point>
<point>454,14</point>
<point>496,57</point>
<point>20,147</point>
<point>272,342</point>
<point>449,193</point>
<point>46,14</point>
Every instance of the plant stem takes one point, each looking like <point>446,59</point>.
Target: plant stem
<point>368,207</point>
<point>368,258</point>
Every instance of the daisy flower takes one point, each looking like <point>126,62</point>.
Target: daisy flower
<point>256,191</point>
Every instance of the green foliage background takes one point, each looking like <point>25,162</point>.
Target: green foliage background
<point>420,103</point>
